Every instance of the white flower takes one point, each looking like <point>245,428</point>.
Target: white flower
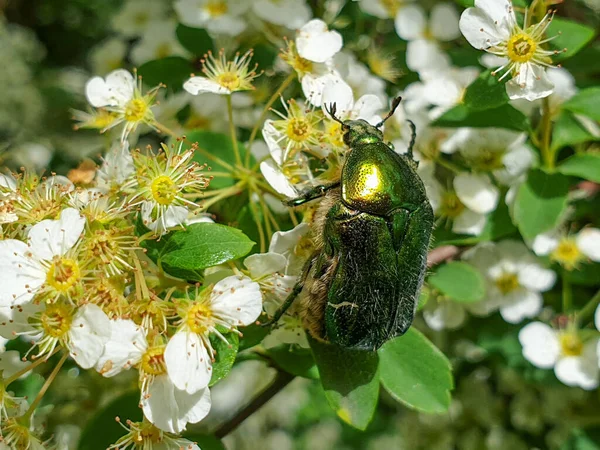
<point>277,179</point>
<point>222,76</point>
<point>473,197</point>
<point>358,76</point>
<point>501,152</point>
<point>217,16</point>
<point>108,55</point>
<point>119,94</point>
<point>89,332</point>
<point>575,362</point>
<point>145,436</point>
<point>232,302</point>
<point>42,262</point>
<point>423,51</point>
<point>288,13</point>
<point>158,41</point>
<point>136,16</point>
<point>445,314</point>
<point>341,94</point>
<point>492,26</point>
<point>570,251</point>
<point>124,348</point>
<point>384,9</point>
<point>316,42</point>
<point>289,330</point>
<point>514,278</point>
<point>116,168</point>
<point>171,409</point>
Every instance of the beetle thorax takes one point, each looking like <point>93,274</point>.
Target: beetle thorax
<point>357,132</point>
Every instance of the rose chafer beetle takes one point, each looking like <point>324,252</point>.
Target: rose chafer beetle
<point>371,235</point>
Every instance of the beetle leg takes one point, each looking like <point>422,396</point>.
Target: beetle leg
<point>311,194</point>
<point>293,295</point>
<point>413,138</point>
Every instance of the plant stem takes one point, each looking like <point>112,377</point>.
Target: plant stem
<point>281,380</point>
<point>15,376</point>
<point>546,131</point>
<point>234,141</point>
<point>567,295</point>
<point>258,222</point>
<point>27,416</point>
<point>265,111</point>
<point>589,307</point>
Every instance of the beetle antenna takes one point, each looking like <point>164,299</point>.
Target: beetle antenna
<point>413,138</point>
<point>395,104</point>
<point>331,111</point>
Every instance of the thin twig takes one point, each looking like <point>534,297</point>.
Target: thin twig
<point>281,380</point>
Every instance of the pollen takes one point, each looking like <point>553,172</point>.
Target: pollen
<point>451,206</point>
<point>570,344</point>
<point>56,320</point>
<point>298,129</point>
<point>63,274</point>
<point>216,8</point>
<point>136,110</point>
<point>153,361</point>
<point>301,65</point>
<point>567,254</point>
<point>521,47</point>
<point>507,283</point>
<point>164,190</point>
<point>229,80</point>
<point>199,318</point>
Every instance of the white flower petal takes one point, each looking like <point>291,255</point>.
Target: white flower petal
<point>237,300</point>
<point>11,363</point>
<point>446,315</point>
<point>469,222</point>
<point>536,278</point>
<point>531,83</point>
<point>367,107</point>
<point>545,243</point>
<point>313,86</point>
<point>116,90</point>
<point>597,318</point>
<point>479,29</point>
<point>521,305</point>
<point>288,13</point>
<point>477,192</point>
<point>588,242</point>
<point>14,319</point>
<point>496,10</point>
<point>261,264</point>
<point>410,22</point>
<point>8,182</point>
<point>199,85</point>
<point>173,216</point>
<point>540,344</point>
<point>90,331</point>
<point>581,371</point>
<point>124,348</point>
<point>444,22</point>
<point>50,238</point>
<point>277,179</point>
<point>195,407</point>
<point>337,91</point>
<point>316,43</point>
<point>20,275</point>
<point>188,362</point>
<point>424,55</point>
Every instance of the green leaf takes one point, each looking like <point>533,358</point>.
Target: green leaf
<point>459,281</point>
<point>582,165</point>
<point>225,357</point>
<point>587,274</point>
<point>205,441</point>
<point>570,35</point>
<point>504,116</point>
<point>102,430</point>
<point>582,440</point>
<point>568,131</point>
<point>416,373</point>
<point>195,40</point>
<point>486,92</point>
<point>203,245</point>
<point>350,379</point>
<point>297,361</point>
<point>540,202</point>
<point>172,71</point>
<point>252,335</point>
<point>221,146</point>
<point>586,102</point>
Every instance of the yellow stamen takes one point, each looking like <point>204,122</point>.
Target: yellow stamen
<point>63,274</point>
<point>136,110</point>
<point>567,254</point>
<point>164,190</point>
<point>451,205</point>
<point>199,318</point>
<point>56,320</point>
<point>521,47</point>
<point>570,344</point>
<point>507,283</point>
<point>153,361</point>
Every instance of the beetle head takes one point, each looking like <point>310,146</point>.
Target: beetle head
<point>360,131</point>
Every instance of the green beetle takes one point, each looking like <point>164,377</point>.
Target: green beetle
<point>371,234</point>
